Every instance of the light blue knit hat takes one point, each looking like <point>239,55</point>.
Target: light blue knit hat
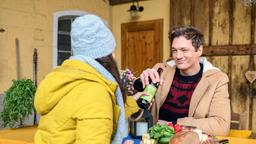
<point>90,37</point>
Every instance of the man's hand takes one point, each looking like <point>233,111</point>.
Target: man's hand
<point>152,74</point>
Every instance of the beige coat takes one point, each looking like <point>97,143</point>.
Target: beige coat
<point>209,108</point>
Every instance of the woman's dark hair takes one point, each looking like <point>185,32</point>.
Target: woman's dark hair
<point>109,63</point>
<point>190,33</point>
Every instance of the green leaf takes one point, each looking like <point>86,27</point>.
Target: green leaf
<point>18,102</point>
<point>161,131</point>
<point>164,140</point>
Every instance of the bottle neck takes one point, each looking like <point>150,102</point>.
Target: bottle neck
<point>156,84</point>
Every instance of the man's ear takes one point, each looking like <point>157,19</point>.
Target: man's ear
<point>200,50</point>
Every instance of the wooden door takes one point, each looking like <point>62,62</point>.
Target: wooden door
<point>141,45</point>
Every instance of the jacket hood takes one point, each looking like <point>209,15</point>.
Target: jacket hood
<point>62,80</point>
<point>207,65</point>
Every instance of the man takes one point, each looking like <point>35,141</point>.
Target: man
<point>192,92</point>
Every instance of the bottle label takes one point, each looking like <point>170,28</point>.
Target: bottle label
<point>150,90</point>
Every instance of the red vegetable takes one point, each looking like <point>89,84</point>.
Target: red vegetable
<point>177,128</point>
<point>170,124</point>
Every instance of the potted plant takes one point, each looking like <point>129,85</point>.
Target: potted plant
<point>18,102</point>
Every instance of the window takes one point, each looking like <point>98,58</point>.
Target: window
<point>64,41</point>
<point>61,38</point>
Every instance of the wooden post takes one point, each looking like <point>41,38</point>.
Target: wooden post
<point>252,69</point>
<point>231,30</point>
<point>17,57</point>
<point>251,95</point>
<point>192,12</point>
<point>211,5</point>
<point>35,60</point>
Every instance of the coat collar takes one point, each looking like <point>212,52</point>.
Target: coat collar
<point>198,93</point>
<point>168,78</point>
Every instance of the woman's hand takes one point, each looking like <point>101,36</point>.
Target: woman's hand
<point>139,94</point>
<point>128,142</point>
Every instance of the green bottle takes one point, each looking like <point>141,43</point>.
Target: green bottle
<point>144,101</point>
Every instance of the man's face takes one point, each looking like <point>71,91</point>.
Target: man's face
<point>185,55</point>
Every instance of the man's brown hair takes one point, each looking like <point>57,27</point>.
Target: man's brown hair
<point>190,33</point>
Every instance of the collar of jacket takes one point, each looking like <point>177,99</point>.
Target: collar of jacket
<point>82,67</point>
<point>88,72</point>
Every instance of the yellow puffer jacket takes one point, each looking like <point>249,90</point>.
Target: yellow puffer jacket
<point>77,105</point>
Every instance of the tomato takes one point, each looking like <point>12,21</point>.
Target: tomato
<point>177,128</point>
<point>170,124</point>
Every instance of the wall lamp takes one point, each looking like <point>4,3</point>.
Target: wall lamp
<point>135,8</point>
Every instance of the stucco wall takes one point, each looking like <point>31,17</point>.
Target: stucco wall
<point>31,21</point>
<point>153,9</point>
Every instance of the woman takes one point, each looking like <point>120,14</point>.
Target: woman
<point>81,101</point>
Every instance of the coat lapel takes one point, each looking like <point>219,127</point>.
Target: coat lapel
<point>163,90</point>
<point>197,95</point>
<point>168,77</point>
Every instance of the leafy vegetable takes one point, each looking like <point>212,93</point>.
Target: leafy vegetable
<point>159,132</point>
<point>164,140</point>
<point>18,102</point>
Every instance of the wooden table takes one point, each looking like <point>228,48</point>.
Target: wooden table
<point>26,136</point>
<point>23,135</point>
<point>235,140</point>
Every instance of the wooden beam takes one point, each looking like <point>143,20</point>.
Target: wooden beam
<point>115,2</point>
<point>226,50</point>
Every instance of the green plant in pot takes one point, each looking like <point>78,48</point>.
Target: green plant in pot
<point>18,102</point>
